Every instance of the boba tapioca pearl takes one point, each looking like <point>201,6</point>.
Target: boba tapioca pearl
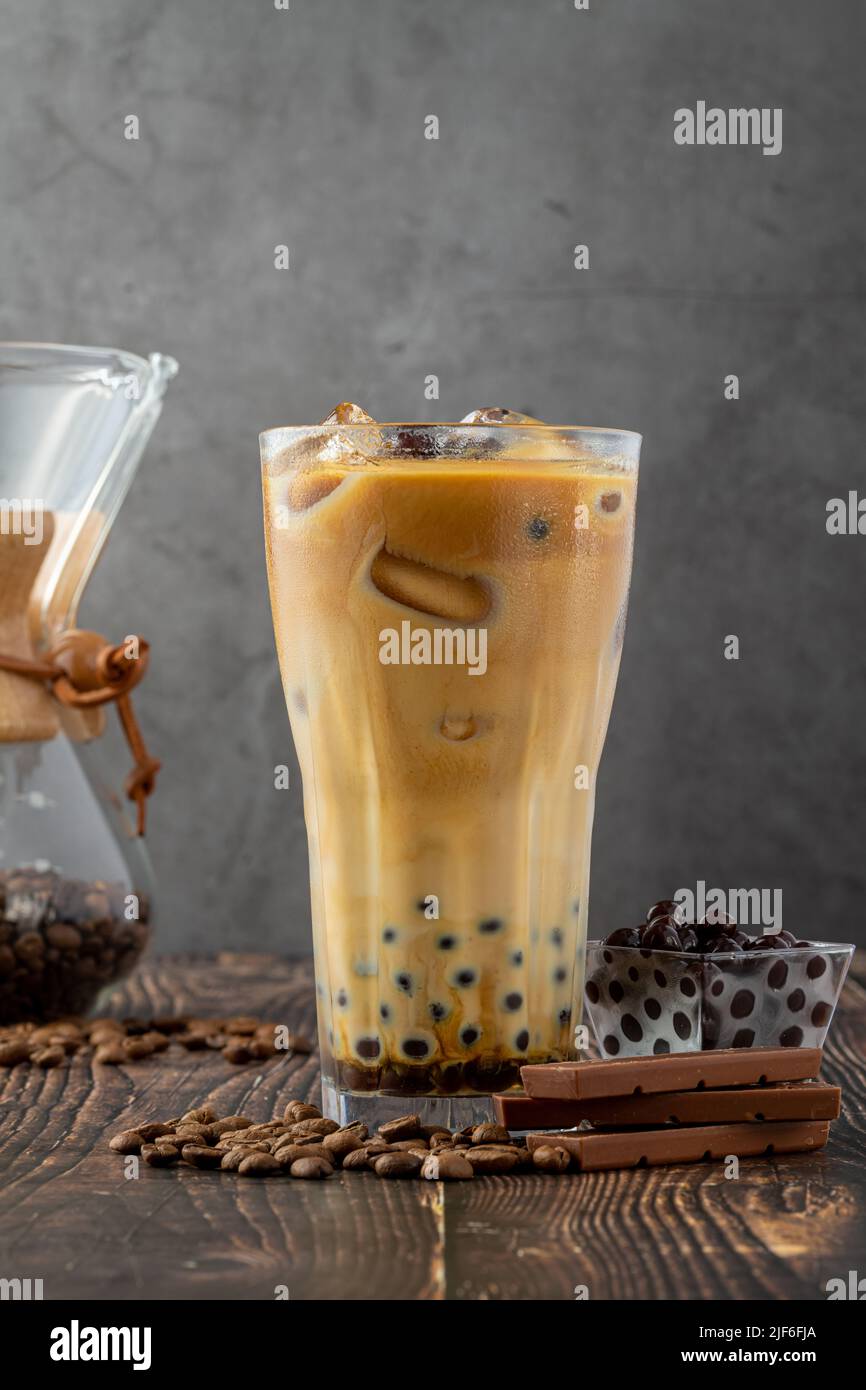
<point>446,942</point>
<point>623,936</point>
<point>438,1011</point>
<point>464,977</point>
<point>418,1046</point>
<point>666,908</point>
<point>491,925</point>
<point>368,1048</point>
<point>538,529</point>
<point>469,1035</point>
<point>661,935</point>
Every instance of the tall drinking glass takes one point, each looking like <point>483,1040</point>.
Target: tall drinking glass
<point>449,604</point>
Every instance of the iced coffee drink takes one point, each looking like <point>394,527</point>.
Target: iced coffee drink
<point>449,604</point>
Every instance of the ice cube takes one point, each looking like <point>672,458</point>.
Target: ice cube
<point>498,415</point>
<point>347,413</point>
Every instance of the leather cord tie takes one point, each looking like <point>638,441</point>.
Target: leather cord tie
<point>84,671</point>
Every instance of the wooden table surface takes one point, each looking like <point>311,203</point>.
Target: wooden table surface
<point>69,1217</point>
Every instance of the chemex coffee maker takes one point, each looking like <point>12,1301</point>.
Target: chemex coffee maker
<point>76,902</point>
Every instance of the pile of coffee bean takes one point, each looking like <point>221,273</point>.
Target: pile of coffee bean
<point>666,929</point>
<point>115,1042</point>
<point>302,1144</point>
<point>62,940</point>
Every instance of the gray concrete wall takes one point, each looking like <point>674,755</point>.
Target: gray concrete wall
<point>408,257</point>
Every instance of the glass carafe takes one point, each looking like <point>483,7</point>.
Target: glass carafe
<point>75,880</point>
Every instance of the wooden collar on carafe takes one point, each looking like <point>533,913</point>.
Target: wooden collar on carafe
<point>82,672</point>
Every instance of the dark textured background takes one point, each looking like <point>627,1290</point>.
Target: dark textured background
<point>408,257</point>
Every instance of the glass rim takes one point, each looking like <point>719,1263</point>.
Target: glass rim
<point>432,426</point>
<point>826,946</point>
<point>160,363</point>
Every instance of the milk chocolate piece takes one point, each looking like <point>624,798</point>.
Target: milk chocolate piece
<point>675,1071</point>
<point>654,1147</point>
<point>805,1100</point>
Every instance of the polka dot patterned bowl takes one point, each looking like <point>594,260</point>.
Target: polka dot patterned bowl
<point>642,1002</point>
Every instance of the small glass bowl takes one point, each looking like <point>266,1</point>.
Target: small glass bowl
<point>642,1002</point>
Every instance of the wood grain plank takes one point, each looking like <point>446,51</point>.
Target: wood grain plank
<point>68,1216</point>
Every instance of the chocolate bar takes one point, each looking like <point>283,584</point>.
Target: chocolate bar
<point>674,1071</point>
<point>654,1147</point>
<point>806,1100</point>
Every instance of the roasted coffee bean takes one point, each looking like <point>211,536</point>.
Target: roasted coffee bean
<point>409,1145</point>
<point>377,1146</point>
<point>339,1144</point>
<point>195,1042</point>
<point>312,1167</point>
<point>297,1110</point>
<point>308,1140</point>
<point>357,1161</point>
<point>490,1134</point>
<point>232,1159</point>
<point>231,1124</point>
<point>299,1044</point>
<point>550,1158</point>
<point>396,1165</point>
<point>110,1054</point>
<point>203,1115</point>
<point>431,1131</point>
<point>168,1024</point>
<point>489,1159</point>
<point>237,1051</point>
<point>200,1156</point>
<point>447,1166</point>
<point>286,1154</point>
<point>13,1052</point>
<point>319,1126</point>
<point>136,1048</point>
<point>242,1025</point>
<point>405,1127</point>
<point>128,1141</point>
<point>154,1130</point>
<point>358,1128</point>
<point>160,1155</point>
<point>258,1165</point>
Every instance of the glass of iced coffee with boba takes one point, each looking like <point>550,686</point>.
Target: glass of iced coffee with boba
<point>449,604</point>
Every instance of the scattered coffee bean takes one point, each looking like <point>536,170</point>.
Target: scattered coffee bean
<point>447,1166</point>
<point>258,1165</point>
<point>312,1167</point>
<point>405,1127</point>
<point>340,1144</point>
<point>48,1056</point>
<point>397,1165</point>
<point>200,1156</point>
<point>128,1141</point>
<point>296,1111</point>
<point>490,1159</point>
<point>160,1155</point>
<point>551,1159</point>
<point>490,1134</point>
<point>357,1161</point>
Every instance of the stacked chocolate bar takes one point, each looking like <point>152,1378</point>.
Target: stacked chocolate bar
<point>675,1108</point>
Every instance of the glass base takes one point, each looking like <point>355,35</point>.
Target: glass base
<point>374,1109</point>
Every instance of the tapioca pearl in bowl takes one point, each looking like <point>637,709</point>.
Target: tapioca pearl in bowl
<point>470,1034</point>
<point>520,1041</point>
<point>438,1010</point>
<point>652,1008</point>
<point>447,942</point>
<point>616,991</point>
<point>404,982</point>
<point>632,1028</point>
